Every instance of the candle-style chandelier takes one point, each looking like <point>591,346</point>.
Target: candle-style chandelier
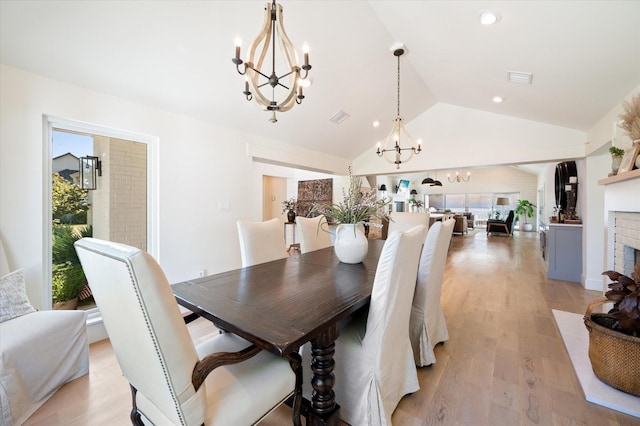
<point>392,150</point>
<point>256,78</point>
<point>458,178</point>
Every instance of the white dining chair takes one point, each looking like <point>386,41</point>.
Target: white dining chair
<point>225,380</point>
<point>261,242</point>
<point>374,366</point>
<point>313,233</point>
<point>428,326</point>
<point>403,221</point>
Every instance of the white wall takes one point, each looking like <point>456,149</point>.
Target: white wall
<point>203,169</point>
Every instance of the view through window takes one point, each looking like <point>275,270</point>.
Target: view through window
<point>483,206</point>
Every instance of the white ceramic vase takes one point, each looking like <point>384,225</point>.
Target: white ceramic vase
<point>351,245</point>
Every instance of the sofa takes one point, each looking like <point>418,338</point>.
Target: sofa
<point>39,350</point>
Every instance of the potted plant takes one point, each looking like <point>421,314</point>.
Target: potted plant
<point>614,337</point>
<point>527,209</point>
<point>616,158</point>
<point>289,207</point>
<point>68,278</point>
<point>356,208</point>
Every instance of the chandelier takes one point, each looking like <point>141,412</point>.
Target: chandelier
<point>392,150</point>
<point>257,78</point>
<point>458,178</point>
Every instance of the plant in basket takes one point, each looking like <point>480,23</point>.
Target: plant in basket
<point>625,297</point>
<point>614,337</point>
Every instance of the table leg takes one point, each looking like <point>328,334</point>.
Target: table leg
<point>324,410</point>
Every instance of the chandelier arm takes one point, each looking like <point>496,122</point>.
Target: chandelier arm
<point>262,40</point>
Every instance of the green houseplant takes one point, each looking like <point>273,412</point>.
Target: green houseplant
<point>527,209</point>
<point>616,159</point>
<point>68,278</point>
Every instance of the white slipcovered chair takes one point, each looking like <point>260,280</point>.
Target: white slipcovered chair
<point>39,350</point>
<point>261,242</point>
<point>157,356</point>
<point>428,326</point>
<point>374,366</point>
<point>313,233</point>
<point>403,221</point>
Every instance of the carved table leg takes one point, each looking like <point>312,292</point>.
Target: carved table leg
<point>324,410</point>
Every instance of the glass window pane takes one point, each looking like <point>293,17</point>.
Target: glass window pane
<point>455,201</point>
<point>436,201</point>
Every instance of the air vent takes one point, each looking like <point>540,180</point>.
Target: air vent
<point>519,77</point>
<point>339,117</point>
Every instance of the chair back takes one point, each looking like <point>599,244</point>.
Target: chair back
<point>427,324</point>
<point>4,265</point>
<point>509,221</point>
<point>147,332</point>
<point>386,339</point>
<point>261,242</point>
<point>313,233</point>
<point>403,221</point>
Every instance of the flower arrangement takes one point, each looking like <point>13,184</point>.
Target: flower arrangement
<point>630,118</point>
<point>290,204</point>
<point>355,207</point>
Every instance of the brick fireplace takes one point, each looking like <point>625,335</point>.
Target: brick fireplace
<point>626,241</point>
<point>622,207</point>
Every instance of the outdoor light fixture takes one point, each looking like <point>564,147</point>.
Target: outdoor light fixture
<point>90,167</point>
<point>392,143</point>
<point>256,77</point>
<point>458,178</point>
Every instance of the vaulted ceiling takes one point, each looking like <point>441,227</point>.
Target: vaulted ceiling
<point>176,55</point>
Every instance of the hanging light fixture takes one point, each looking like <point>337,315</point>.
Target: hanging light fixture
<point>431,182</point>
<point>392,150</point>
<point>256,77</point>
<point>458,178</point>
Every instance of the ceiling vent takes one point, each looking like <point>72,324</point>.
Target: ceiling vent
<point>519,77</point>
<point>339,117</point>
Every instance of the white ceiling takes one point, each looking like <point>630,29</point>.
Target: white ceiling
<point>176,55</point>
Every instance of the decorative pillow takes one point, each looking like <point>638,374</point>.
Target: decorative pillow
<point>13,296</point>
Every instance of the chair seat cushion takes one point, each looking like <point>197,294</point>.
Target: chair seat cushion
<point>236,393</point>
<point>40,352</point>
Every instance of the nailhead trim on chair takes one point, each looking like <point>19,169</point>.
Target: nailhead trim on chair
<point>153,336</point>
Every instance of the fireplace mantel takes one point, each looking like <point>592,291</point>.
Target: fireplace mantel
<point>633,174</point>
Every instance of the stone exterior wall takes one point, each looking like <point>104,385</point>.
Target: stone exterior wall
<point>119,204</point>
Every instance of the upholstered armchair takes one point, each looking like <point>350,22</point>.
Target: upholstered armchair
<point>461,226</point>
<point>501,226</point>
<point>261,242</point>
<point>224,380</point>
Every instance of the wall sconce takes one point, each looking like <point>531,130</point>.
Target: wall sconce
<point>90,167</point>
<point>458,178</point>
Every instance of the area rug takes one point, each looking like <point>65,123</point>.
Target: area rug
<point>576,341</point>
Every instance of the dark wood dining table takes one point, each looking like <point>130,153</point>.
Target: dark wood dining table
<point>281,305</point>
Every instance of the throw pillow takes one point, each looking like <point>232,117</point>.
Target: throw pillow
<point>13,296</point>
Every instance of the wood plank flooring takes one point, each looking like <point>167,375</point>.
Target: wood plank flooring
<point>505,363</point>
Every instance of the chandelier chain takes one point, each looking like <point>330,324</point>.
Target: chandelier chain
<point>398,85</point>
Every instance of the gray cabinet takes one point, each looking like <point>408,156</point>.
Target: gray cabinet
<point>564,248</point>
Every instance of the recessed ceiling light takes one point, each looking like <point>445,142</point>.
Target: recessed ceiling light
<point>497,99</point>
<point>489,17</point>
<point>376,123</point>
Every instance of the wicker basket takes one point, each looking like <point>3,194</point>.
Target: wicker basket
<point>615,356</point>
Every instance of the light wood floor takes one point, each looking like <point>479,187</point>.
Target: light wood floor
<point>505,363</point>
